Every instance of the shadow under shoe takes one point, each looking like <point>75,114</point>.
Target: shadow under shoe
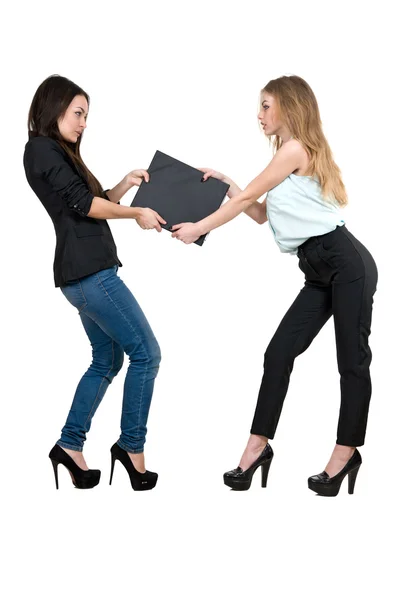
<point>139,481</point>
<point>237,479</point>
<point>324,485</point>
<point>81,479</point>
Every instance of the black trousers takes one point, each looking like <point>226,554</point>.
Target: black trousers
<point>340,280</point>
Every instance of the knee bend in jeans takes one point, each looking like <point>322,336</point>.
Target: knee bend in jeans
<point>107,365</point>
<point>147,354</point>
<point>155,355</point>
<point>118,360</point>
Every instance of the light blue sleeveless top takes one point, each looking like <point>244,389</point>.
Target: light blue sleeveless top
<point>296,211</point>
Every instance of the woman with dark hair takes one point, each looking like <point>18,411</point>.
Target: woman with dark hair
<point>304,194</point>
<point>85,269</point>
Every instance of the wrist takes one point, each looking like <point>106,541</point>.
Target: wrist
<point>137,212</point>
<point>200,228</point>
<point>234,190</point>
<point>127,183</point>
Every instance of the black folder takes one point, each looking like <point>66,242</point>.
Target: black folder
<point>176,191</point>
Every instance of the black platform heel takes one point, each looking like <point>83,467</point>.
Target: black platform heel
<point>139,481</point>
<point>241,480</point>
<point>324,485</point>
<point>81,479</point>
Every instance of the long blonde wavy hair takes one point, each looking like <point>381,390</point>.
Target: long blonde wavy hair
<point>298,110</point>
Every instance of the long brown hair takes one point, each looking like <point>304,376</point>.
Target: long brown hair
<point>50,102</point>
<point>298,110</point>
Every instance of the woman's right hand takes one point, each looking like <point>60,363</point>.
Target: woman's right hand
<point>212,173</point>
<point>234,190</point>
<point>150,219</point>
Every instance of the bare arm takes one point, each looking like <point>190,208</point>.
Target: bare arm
<point>103,209</point>
<point>286,160</point>
<point>257,211</point>
<point>133,178</point>
<point>47,160</point>
<point>117,193</point>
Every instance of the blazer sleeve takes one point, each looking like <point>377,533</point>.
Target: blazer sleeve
<point>49,162</point>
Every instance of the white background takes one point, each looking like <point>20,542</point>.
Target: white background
<point>185,78</point>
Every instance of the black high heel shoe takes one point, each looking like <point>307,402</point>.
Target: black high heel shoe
<point>324,485</point>
<point>139,481</point>
<point>241,480</point>
<point>81,479</point>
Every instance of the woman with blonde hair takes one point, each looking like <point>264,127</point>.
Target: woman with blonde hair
<point>305,194</point>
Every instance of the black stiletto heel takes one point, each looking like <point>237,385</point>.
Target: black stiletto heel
<point>241,480</point>
<point>324,485</point>
<point>112,467</point>
<point>55,467</point>
<point>139,481</point>
<point>81,479</point>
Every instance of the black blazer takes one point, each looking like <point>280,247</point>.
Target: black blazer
<point>84,245</point>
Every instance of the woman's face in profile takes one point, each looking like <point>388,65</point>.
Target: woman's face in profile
<point>73,123</point>
<point>267,115</point>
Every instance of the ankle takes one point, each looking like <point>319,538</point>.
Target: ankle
<point>73,453</point>
<point>138,461</point>
<point>343,452</point>
<point>77,457</point>
<point>256,443</point>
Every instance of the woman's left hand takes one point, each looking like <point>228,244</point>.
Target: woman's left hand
<point>136,177</point>
<point>186,232</point>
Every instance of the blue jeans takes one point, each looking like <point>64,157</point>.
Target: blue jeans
<point>115,324</point>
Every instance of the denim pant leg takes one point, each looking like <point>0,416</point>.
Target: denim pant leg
<point>107,360</point>
<point>114,309</point>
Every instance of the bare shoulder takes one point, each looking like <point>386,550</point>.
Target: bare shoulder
<point>296,148</point>
<point>294,153</point>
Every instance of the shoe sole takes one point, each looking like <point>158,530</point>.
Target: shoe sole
<point>240,486</point>
<point>323,490</point>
